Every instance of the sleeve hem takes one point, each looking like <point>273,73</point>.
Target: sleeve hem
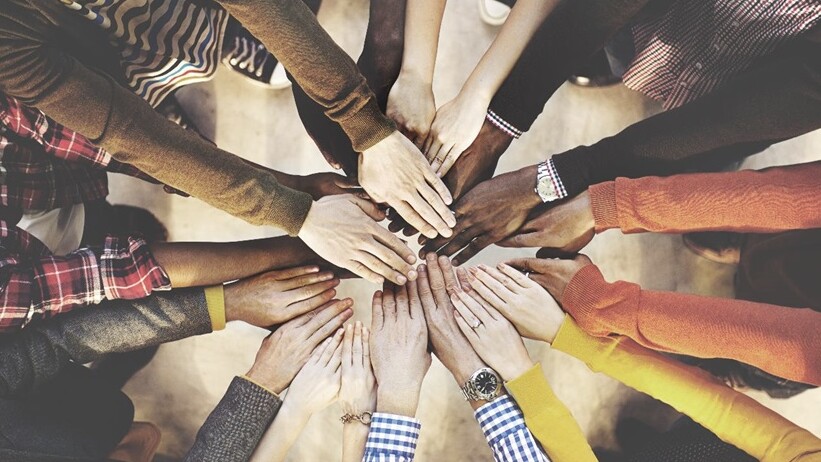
<point>215,298</point>
<point>266,389</point>
<point>603,203</point>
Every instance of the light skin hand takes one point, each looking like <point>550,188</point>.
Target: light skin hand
<point>316,385</point>
<point>455,127</point>
<point>412,106</point>
<point>399,349</point>
<point>521,300</point>
<point>279,296</point>
<point>495,339</point>
<point>552,274</point>
<point>490,212</point>
<point>561,230</point>
<point>393,171</point>
<point>284,352</point>
<point>358,392</point>
<point>343,229</point>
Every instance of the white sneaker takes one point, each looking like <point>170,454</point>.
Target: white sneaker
<point>492,12</point>
<point>279,80</point>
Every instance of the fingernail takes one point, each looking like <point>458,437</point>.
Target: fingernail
<point>411,259</point>
<point>412,275</point>
<point>422,268</point>
<point>314,269</point>
<point>401,280</point>
<point>358,324</point>
<point>326,276</point>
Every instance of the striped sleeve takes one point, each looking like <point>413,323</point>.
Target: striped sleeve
<point>504,427</point>
<point>392,438</point>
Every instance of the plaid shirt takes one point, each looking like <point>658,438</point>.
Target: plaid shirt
<point>392,438</point>
<point>44,166</point>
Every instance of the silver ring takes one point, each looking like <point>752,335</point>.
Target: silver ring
<point>478,323</point>
<point>527,274</point>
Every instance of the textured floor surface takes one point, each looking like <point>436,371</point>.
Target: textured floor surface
<point>187,378</point>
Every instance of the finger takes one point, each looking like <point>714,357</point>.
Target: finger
<point>437,280</point>
<point>346,183</point>
<point>356,345</point>
<point>413,218</point>
<point>465,311</point>
<point>400,252</point>
<point>316,355</point>
<point>295,309</point>
<point>348,357</point>
<point>484,291</point>
<point>431,197</point>
<point>439,186</point>
<point>526,239</point>
<point>475,246</point>
<point>464,279</point>
<point>305,279</point>
<point>370,209</point>
<point>366,348</point>
<point>288,273</point>
<point>324,314</point>
<point>425,292</point>
<point>402,309</point>
<point>451,283</point>
<point>379,267</point>
<point>430,216</point>
<point>492,283</point>
<point>468,331</point>
<point>331,347</point>
<point>529,265</point>
<point>409,230</point>
<point>306,292</point>
<point>389,302</point>
<point>377,311</point>
<point>433,151</point>
<point>463,235</point>
<point>517,277</point>
<point>504,279</point>
<point>359,269</point>
<point>448,163</point>
<point>335,362</point>
<point>475,307</point>
<point>332,325</point>
<point>414,302</point>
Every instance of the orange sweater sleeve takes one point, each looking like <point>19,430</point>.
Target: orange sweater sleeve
<point>756,201</point>
<point>782,341</point>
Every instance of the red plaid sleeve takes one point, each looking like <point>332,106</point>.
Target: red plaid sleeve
<point>34,288</point>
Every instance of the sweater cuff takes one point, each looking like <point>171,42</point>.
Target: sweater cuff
<point>288,209</point>
<point>603,203</point>
<point>215,298</point>
<point>582,299</point>
<point>572,340</point>
<point>367,126</point>
<point>266,389</point>
<point>531,390</point>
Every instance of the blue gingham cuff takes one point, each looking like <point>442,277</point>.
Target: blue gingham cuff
<point>504,427</point>
<point>503,125</point>
<point>392,438</point>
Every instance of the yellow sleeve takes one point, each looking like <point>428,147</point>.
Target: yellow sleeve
<point>548,419</point>
<point>734,417</point>
<point>215,298</point>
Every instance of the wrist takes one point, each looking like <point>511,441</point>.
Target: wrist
<point>526,184</point>
<point>415,75</point>
<point>476,94</point>
<point>267,379</point>
<point>295,410</point>
<point>465,368</point>
<point>515,369</point>
<point>397,400</point>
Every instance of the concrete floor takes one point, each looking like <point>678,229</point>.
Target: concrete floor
<point>187,378</point>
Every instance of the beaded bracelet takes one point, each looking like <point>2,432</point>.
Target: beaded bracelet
<point>364,418</point>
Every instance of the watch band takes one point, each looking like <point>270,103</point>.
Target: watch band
<point>549,186</point>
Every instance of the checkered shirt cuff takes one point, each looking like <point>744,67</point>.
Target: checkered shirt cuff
<point>556,179</point>
<point>128,269</point>
<point>504,427</point>
<point>392,438</point>
<point>503,125</point>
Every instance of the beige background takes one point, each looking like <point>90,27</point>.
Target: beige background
<point>187,378</point>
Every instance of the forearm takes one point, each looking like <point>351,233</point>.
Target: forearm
<point>778,101</point>
<point>191,264</point>
<point>423,21</point>
<point>732,416</point>
<point>281,434</point>
<point>40,352</point>
<point>498,61</point>
<point>750,201</point>
<point>782,341</point>
<point>233,429</point>
<point>354,436</point>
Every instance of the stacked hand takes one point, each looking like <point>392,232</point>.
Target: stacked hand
<point>399,348</point>
<point>455,127</point>
<point>316,385</point>
<point>412,106</point>
<point>358,392</point>
<point>285,351</point>
<point>552,274</point>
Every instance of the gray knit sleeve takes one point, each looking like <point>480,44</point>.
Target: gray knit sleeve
<point>38,353</point>
<point>235,426</point>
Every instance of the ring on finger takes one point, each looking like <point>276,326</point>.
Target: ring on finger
<point>477,325</point>
<point>527,274</point>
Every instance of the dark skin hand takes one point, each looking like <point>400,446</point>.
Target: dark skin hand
<point>552,274</point>
<point>474,166</point>
<point>490,212</point>
<point>561,230</point>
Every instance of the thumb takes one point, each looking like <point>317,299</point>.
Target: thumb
<point>346,183</point>
<point>370,209</point>
<point>530,265</point>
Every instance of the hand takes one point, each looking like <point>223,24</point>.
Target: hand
<point>522,301</point>
<point>342,230</point>
<point>412,106</point>
<point>394,172</point>
<point>399,348</point>
<point>490,212</point>
<point>452,348</point>
<point>285,351</point>
<point>319,185</point>
<point>455,127</point>
<point>278,296</point>
<point>561,230</point>
<point>474,166</point>
<point>358,392</point>
<point>492,336</point>
<point>316,385</point>
<point>553,275</point>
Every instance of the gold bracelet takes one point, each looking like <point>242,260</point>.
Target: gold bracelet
<point>364,418</point>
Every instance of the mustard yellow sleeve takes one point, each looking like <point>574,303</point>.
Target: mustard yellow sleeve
<point>215,298</point>
<point>734,417</point>
<point>548,419</point>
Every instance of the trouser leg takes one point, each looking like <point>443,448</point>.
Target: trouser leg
<point>76,415</point>
<point>688,441</point>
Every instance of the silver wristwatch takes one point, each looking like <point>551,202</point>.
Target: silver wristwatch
<point>546,186</point>
<point>484,385</point>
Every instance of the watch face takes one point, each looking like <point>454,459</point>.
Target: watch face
<point>547,190</point>
<point>486,383</point>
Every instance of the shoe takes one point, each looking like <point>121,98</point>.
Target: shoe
<point>172,110</point>
<point>139,444</point>
<point>495,12</point>
<point>717,246</point>
<point>246,55</point>
<point>596,73</point>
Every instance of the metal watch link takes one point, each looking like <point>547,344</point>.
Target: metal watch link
<point>545,186</point>
<point>484,385</point>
